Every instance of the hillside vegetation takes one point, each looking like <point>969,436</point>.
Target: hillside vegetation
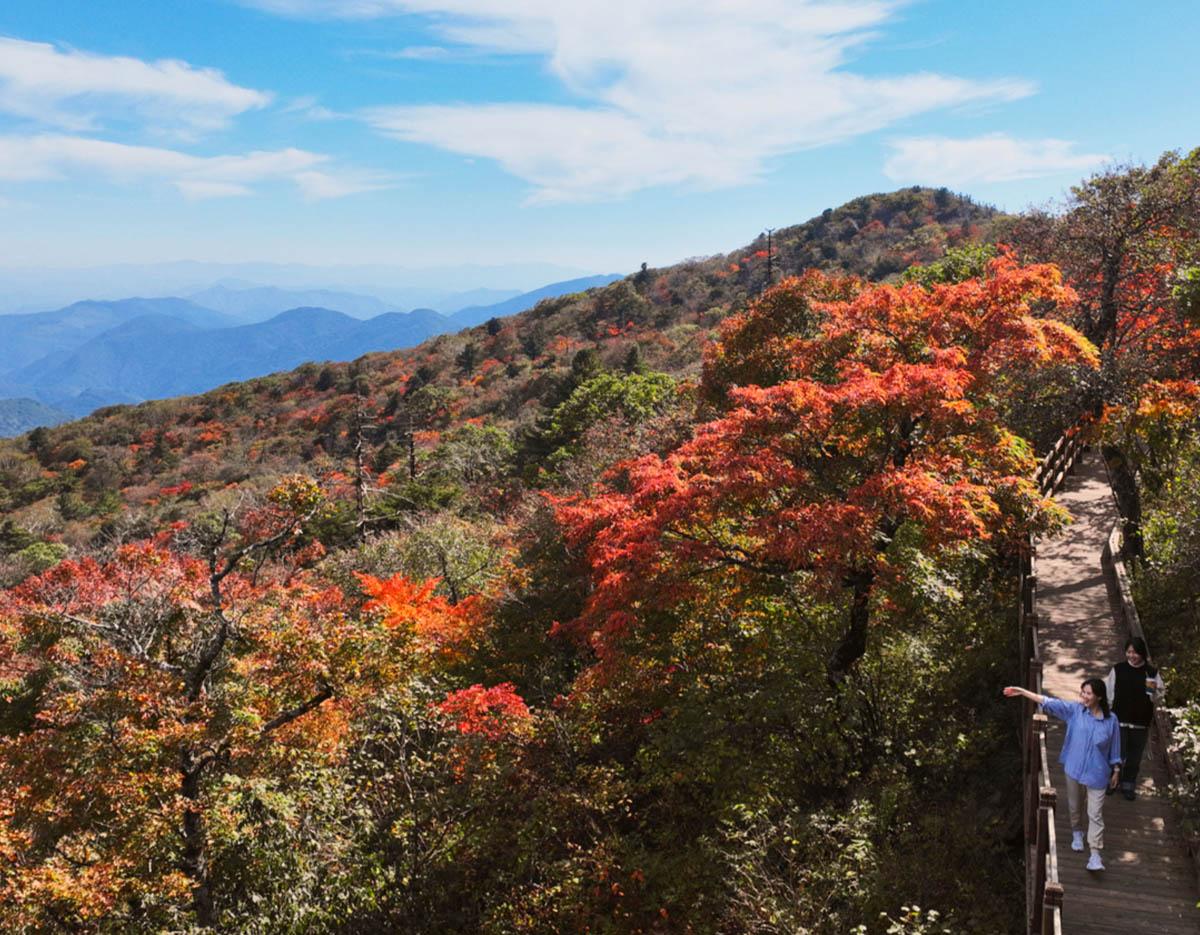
<point>507,372</point>
<point>678,605</point>
<point>94,354</point>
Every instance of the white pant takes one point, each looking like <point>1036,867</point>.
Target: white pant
<point>1095,812</point>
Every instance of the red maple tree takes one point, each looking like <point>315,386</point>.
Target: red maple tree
<point>880,413</point>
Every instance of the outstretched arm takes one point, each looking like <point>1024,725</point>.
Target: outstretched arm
<point>1013,690</point>
<point>1050,705</point>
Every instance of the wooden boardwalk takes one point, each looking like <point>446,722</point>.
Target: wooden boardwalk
<point>1149,885</point>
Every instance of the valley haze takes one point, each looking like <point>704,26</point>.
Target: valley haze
<point>65,363</point>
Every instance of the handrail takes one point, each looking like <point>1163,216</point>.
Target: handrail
<point>1164,732</point>
<point>1044,891</point>
<point>1050,893</point>
<point>1059,462</point>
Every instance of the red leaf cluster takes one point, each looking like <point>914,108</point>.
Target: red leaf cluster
<point>876,409</point>
<point>490,713</point>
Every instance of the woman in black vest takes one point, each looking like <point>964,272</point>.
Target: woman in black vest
<point>1134,686</point>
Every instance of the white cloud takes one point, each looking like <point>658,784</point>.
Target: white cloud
<point>48,157</point>
<point>422,53</point>
<point>319,185</point>
<point>694,92</point>
<point>80,91</point>
<point>339,9</point>
<point>992,158</point>
<point>76,90</point>
<point>201,190</point>
<point>309,108</point>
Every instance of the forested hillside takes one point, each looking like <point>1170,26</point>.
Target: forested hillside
<point>94,354</point>
<point>677,605</point>
<point>507,372</point>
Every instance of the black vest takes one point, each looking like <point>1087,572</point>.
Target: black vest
<point>1131,704</point>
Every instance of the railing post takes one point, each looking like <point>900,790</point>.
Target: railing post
<point>1030,625</point>
<point>1028,593</point>
<point>1029,644</point>
<point>1047,801</point>
<point>1039,877</point>
<point>1033,768</point>
<point>1052,901</point>
<point>1072,456</point>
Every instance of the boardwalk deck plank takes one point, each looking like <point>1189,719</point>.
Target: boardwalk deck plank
<point>1149,884</point>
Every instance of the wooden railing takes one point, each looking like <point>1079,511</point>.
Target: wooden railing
<point>1060,461</point>
<point>1044,892</point>
<point>1163,730</point>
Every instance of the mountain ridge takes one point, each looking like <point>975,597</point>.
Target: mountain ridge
<point>478,314</point>
<point>27,337</point>
<point>513,368</point>
<point>141,356</point>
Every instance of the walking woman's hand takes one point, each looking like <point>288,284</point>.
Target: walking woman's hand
<point>1115,777</point>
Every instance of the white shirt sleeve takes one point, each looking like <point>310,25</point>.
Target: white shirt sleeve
<point>1110,684</point>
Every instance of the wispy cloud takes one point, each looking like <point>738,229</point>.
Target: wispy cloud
<point>76,90</point>
<point>90,94</point>
<point>422,53</point>
<point>451,54</point>
<point>992,158</point>
<point>684,92</point>
<point>50,156</point>
<point>331,9</point>
<point>310,108</point>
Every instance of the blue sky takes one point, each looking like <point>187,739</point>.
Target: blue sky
<point>590,134</point>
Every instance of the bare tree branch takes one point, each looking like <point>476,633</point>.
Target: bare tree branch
<point>299,711</point>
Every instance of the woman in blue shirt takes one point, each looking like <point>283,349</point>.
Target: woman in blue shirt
<point>1090,757</point>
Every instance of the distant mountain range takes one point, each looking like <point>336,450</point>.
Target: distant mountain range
<point>91,354</point>
<point>20,415</point>
<point>478,314</point>
<point>157,356</point>
<point>444,288</point>
<point>258,303</point>
<point>26,338</point>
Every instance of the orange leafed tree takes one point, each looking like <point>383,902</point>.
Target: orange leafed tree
<point>1127,239</point>
<point>880,413</point>
<point>435,624</point>
<point>140,684</point>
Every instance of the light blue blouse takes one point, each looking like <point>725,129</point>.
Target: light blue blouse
<point>1092,746</point>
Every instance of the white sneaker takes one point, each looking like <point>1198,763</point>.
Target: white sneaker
<point>1094,862</point>
<point>1077,841</point>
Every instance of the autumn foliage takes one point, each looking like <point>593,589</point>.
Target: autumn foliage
<point>146,680</point>
<point>878,416</point>
<point>431,621</point>
<point>490,713</point>
<point>673,606</point>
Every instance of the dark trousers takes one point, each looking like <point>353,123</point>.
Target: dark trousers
<point>1133,745</point>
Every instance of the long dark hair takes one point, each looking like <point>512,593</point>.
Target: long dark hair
<point>1100,690</point>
